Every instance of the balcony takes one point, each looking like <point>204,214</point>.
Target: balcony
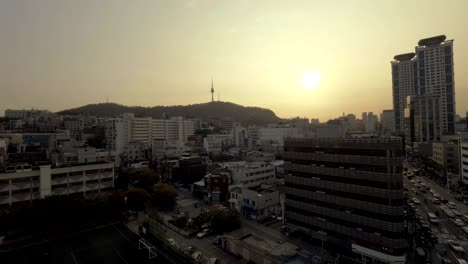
<point>106,184</point>
<point>345,173</point>
<point>352,159</point>
<point>4,187</point>
<point>76,178</point>
<point>362,205</point>
<point>59,180</point>
<point>397,243</point>
<point>350,188</point>
<point>379,224</point>
<point>91,177</point>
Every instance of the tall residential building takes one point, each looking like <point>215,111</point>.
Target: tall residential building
<point>348,193</point>
<point>426,121</point>
<point>428,72</point>
<point>435,76</point>
<point>388,121</point>
<point>403,85</point>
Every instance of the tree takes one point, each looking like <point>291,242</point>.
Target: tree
<point>224,220</point>
<point>164,196</point>
<point>137,199</point>
<point>144,178</point>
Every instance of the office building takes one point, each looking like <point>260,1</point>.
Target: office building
<point>426,117</point>
<point>23,183</point>
<point>446,155</point>
<point>349,194</point>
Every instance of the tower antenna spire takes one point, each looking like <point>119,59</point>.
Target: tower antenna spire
<point>212,90</point>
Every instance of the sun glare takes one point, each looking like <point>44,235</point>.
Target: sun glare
<point>310,79</point>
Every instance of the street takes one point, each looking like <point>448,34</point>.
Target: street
<point>445,230</point>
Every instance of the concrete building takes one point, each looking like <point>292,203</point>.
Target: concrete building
<point>436,76</point>
<point>387,118</point>
<point>3,151</point>
<point>121,131</point>
<point>23,114</point>
<point>349,194</point>
<point>370,122</point>
<point>75,128</point>
<point>428,72</point>
<point>404,84</point>
<point>239,135</point>
<point>260,203</point>
<point>216,143</point>
<point>168,148</point>
<point>256,249</point>
<point>250,174</point>
<point>424,117</point>
<point>216,188</point>
<point>463,157</point>
<point>135,151</point>
<point>26,183</point>
<point>329,131</point>
<point>446,155</point>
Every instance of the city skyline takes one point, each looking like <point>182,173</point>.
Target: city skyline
<point>258,54</point>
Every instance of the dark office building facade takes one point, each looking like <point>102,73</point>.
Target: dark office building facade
<point>348,192</point>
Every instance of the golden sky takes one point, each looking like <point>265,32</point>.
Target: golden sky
<point>61,54</point>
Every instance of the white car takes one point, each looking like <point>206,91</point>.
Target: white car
<point>203,233</point>
<point>456,212</point>
<point>458,222</point>
<point>465,229</point>
<point>449,213</point>
<point>456,247</point>
<point>416,201</point>
<point>451,205</point>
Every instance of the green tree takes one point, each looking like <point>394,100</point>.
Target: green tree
<point>224,220</point>
<point>137,199</point>
<point>144,178</point>
<point>164,196</point>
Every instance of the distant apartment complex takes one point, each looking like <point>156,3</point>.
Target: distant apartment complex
<point>348,192</point>
<point>23,183</point>
<point>121,131</point>
<point>387,118</point>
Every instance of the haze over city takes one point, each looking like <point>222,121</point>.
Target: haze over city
<point>62,54</point>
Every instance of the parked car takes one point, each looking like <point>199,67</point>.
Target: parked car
<point>451,205</point>
<point>416,201</point>
<point>465,229</point>
<point>456,247</point>
<point>456,212</point>
<point>435,201</point>
<point>458,222</point>
<point>203,233</point>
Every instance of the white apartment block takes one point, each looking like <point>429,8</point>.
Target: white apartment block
<point>24,183</point>
<point>250,174</point>
<point>463,156</point>
<point>215,143</point>
<point>370,122</point>
<point>277,133</point>
<point>387,118</point>
<point>121,131</point>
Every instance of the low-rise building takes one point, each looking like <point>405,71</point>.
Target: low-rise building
<point>256,249</point>
<point>25,183</point>
<point>216,143</point>
<point>260,203</point>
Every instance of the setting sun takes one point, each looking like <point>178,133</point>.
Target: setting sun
<point>310,79</point>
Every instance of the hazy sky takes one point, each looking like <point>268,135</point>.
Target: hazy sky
<point>62,54</point>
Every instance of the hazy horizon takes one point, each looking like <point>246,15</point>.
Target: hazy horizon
<point>58,55</point>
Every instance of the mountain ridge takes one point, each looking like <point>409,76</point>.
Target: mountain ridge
<point>211,110</point>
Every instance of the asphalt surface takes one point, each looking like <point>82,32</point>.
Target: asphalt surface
<point>446,229</point>
<point>111,244</point>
